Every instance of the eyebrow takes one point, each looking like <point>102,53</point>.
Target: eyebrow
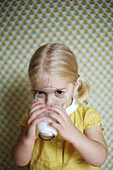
<point>58,89</point>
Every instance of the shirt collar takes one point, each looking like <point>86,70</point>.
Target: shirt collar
<point>72,107</point>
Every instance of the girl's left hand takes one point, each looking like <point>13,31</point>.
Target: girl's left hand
<point>63,124</point>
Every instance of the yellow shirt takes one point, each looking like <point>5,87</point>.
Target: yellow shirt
<point>59,154</point>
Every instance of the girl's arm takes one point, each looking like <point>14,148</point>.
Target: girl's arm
<point>90,144</point>
<point>22,151</point>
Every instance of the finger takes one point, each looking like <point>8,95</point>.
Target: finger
<point>56,117</point>
<point>59,110</point>
<point>35,103</point>
<point>35,114</point>
<point>35,121</point>
<point>33,125</point>
<point>36,107</point>
<point>55,125</point>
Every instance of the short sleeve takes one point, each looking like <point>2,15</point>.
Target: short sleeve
<point>92,118</point>
<point>23,121</point>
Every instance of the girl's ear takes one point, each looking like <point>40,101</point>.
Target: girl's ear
<point>76,87</point>
<point>77,84</point>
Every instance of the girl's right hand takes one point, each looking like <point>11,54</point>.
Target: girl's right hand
<point>33,119</point>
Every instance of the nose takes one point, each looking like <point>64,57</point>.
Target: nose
<point>49,100</point>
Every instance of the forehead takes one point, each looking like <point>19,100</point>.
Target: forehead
<point>50,82</point>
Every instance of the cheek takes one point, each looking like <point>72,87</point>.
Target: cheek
<point>69,97</point>
<point>60,101</point>
<point>70,93</point>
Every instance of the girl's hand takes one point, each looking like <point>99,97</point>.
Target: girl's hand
<point>63,124</point>
<point>33,119</point>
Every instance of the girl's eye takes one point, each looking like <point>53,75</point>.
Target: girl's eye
<point>59,92</point>
<point>40,93</point>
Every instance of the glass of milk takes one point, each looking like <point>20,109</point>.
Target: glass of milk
<point>46,132</point>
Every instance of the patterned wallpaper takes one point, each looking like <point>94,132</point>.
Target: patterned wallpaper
<point>86,26</point>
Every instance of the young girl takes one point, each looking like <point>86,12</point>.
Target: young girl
<point>80,145</point>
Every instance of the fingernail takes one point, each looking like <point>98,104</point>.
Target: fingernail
<point>47,114</point>
<point>50,123</point>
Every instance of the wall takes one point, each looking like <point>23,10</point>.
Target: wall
<point>85,26</point>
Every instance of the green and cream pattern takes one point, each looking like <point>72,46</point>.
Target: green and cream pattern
<point>86,26</point>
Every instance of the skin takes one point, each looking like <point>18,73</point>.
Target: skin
<point>51,90</point>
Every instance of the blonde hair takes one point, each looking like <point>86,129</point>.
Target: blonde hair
<point>58,59</point>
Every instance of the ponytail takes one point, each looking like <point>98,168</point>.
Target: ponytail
<point>83,90</point>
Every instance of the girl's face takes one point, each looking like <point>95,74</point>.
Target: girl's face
<point>53,90</point>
